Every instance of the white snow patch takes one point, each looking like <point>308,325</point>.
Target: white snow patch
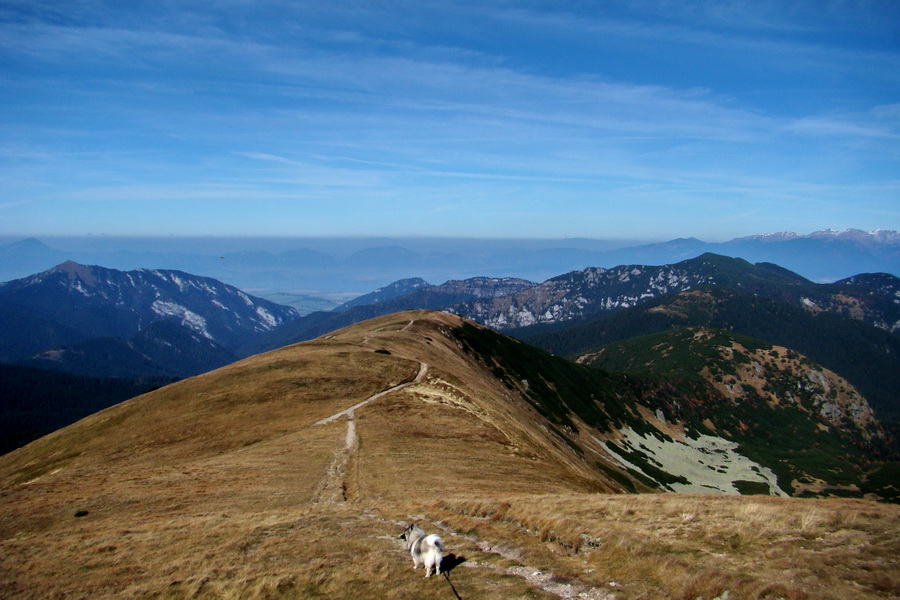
<point>266,316</point>
<point>245,298</point>
<point>80,288</point>
<point>188,317</point>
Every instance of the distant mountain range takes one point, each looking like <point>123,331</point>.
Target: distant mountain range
<point>401,295</point>
<point>579,294</point>
<point>851,326</point>
<point>97,321</point>
<point>361,265</point>
<point>508,304</point>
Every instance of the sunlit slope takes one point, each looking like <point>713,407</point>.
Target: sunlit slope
<point>813,428</point>
<point>273,400</point>
<point>227,476</point>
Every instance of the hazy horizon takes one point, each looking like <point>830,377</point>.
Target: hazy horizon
<point>281,243</point>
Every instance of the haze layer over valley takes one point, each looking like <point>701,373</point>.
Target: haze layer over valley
<point>334,270</point>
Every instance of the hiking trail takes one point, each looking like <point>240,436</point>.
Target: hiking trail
<point>334,488</point>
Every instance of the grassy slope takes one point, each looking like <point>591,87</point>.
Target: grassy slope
<point>221,486</point>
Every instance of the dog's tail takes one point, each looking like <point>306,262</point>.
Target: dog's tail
<point>435,541</point>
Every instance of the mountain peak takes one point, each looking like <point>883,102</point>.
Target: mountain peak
<point>76,270</point>
<point>98,302</point>
<point>28,244</point>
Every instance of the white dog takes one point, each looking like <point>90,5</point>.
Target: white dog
<point>424,548</point>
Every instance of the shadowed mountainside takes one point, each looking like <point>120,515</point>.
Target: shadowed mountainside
<point>863,354</point>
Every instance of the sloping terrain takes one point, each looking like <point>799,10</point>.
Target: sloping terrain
<point>37,402</point>
<point>291,474</point>
<point>581,294</point>
<point>414,294</point>
<point>755,382</point>
<point>73,303</point>
<point>396,289</point>
<point>574,298</point>
<point>163,348</point>
<point>867,356</point>
<point>873,298</point>
<point>95,323</point>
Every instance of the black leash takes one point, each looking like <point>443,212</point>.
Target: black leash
<point>452,587</point>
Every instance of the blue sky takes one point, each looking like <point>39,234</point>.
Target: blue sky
<point>644,119</point>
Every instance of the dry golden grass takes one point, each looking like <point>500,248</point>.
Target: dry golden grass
<point>687,547</point>
<point>222,486</point>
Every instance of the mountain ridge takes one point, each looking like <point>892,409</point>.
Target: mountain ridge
<point>575,403</point>
<point>863,354</point>
<point>580,295</point>
<point>75,303</point>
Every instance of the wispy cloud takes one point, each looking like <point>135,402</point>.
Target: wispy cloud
<point>419,102</point>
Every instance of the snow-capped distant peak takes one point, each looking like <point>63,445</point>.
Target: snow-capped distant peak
<point>779,236</point>
<point>881,236</point>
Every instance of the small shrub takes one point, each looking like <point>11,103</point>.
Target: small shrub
<point>750,488</point>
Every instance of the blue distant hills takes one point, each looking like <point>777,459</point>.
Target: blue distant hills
<point>358,266</point>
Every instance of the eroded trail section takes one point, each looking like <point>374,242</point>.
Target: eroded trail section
<point>333,488</point>
<point>423,371</point>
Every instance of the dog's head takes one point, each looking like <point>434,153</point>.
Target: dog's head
<point>412,535</point>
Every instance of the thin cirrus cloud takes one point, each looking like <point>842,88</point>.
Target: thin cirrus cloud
<point>424,108</point>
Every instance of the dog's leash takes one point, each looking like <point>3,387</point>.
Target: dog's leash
<point>452,587</point>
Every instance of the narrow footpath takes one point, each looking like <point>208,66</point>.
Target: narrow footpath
<point>423,371</point>
<point>334,486</point>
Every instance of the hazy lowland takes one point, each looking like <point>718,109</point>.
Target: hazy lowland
<point>339,268</point>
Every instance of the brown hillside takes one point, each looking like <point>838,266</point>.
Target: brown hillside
<point>290,475</point>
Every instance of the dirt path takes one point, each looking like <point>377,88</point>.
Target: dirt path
<point>334,488</point>
<point>565,589</point>
<point>423,370</point>
<point>333,491</point>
